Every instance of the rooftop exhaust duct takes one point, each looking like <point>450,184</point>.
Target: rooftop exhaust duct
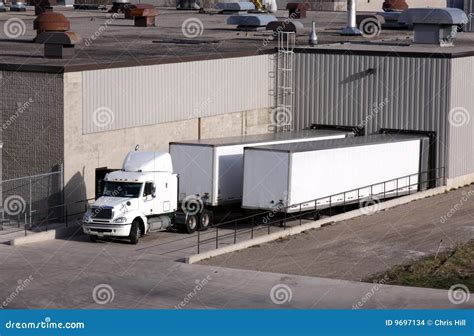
<point>437,26</point>
<point>351,28</point>
<point>52,31</point>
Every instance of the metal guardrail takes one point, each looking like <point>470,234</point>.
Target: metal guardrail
<point>31,223</point>
<point>282,214</point>
<point>23,195</point>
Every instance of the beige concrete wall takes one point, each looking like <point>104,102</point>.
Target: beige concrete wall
<point>235,124</point>
<point>460,181</point>
<point>83,153</point>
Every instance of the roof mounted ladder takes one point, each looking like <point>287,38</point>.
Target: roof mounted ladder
<point>283,114</point>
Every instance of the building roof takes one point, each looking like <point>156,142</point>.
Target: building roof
<point>115,42</point>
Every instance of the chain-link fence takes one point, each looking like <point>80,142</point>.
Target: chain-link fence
<point>31,201</point>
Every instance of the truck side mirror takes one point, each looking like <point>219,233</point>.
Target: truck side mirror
<point>153,190</point>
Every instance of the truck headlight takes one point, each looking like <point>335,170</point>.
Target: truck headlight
<point>121,220</point>
<point>86,218</point>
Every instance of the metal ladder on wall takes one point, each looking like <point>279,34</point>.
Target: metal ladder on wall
<point>282,116</point>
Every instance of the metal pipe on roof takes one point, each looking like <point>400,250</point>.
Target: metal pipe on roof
<point>351,28</point>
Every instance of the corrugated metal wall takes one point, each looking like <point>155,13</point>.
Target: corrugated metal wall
<point>461,118</point>
<point>137,96</point>
<point>373,91</point>
<point>469,9</point>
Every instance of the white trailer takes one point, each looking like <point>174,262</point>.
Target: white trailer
<point>289,175</point>
<point>212,170</point>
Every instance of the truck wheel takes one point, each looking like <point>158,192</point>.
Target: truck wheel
<point>205,219</point>
<point>93,238</point>
<point>134,232</point>
<point>191,224</point>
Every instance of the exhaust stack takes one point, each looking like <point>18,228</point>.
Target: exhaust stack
<point>351,28</point>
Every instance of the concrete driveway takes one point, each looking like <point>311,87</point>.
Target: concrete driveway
<point>357,248</point>
<point>80,274</point>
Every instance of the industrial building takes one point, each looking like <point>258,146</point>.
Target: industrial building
<point>129,86</point>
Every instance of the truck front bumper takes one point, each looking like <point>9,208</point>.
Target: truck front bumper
<point>107,230</point>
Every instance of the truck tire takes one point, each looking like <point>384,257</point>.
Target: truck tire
<point>134,232</point>
<point>93,238</point>
<point>190,224</point>
<point>205,220</point>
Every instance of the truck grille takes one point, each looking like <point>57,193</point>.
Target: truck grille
<point>101,213</point>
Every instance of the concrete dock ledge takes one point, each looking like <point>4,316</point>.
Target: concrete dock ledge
<point>313,225</point>
<point>37,237</point>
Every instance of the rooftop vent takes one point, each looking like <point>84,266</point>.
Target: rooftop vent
<point>17,6</point>
<point>119,6</point>
<point>41,6</point>
<point>437,26</point>
<point>144,15</point>
<point>394,5</point>
<point>58,44</point>
<point>52,31</point>
<point>51,22</point>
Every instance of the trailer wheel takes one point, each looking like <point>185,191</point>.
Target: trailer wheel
<point>135,232</point>
<point>205,220</point>
<point>191,224</point>
<point>316,215</point>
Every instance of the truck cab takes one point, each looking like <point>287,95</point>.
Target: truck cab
<point>140,198</point>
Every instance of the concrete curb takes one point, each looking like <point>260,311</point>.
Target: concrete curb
<point>313,225</point>
<point>38,237</point>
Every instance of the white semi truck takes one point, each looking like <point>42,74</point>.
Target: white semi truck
<point>155,190</point>
<point>149,195</point>
<point>140,198</point>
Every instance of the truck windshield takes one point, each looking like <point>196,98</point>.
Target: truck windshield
<point>122,189</point>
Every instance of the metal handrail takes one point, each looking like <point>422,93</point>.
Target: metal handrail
<point>280,208</point>
<point>340,193</point>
